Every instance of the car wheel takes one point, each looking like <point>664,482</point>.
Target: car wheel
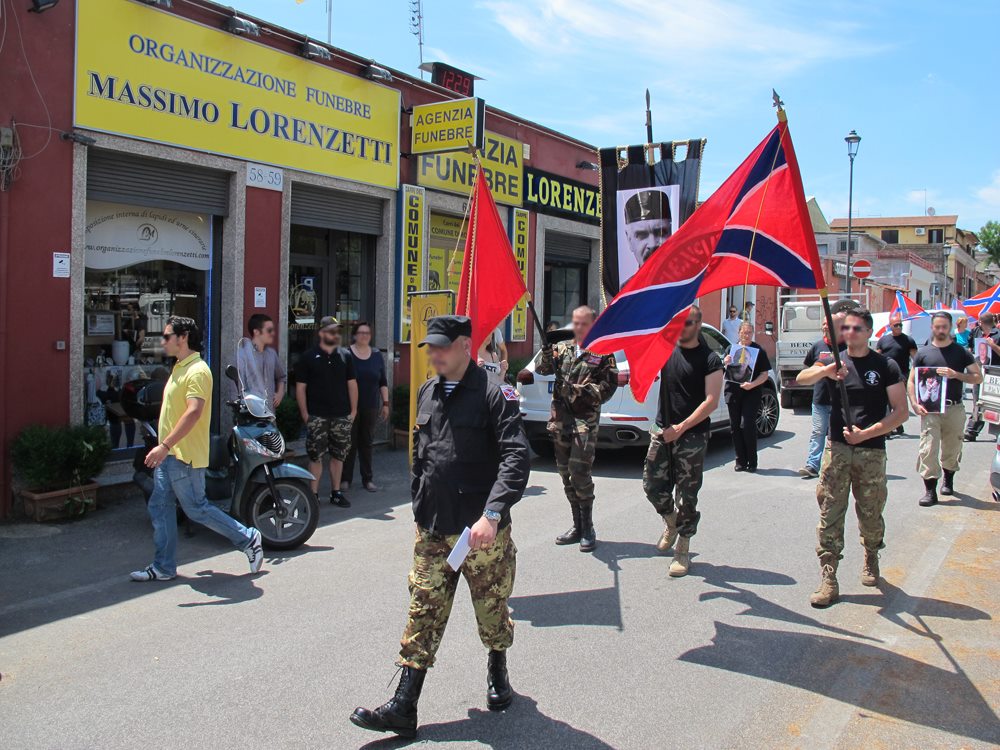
<point>543,447</point>
<point>787,399</point>
<point>767,414</point>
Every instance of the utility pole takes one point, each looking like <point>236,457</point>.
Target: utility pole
<point>417,29</point>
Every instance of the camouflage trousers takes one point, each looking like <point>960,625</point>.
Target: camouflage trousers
<point>331,436</point>
<point>672,475</point>
<point>575,462</point>
<point>490,575</point>
<point>844,468</point>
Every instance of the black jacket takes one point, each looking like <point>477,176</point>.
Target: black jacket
<point>470,453</point>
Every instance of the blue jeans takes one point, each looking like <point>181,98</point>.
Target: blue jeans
<point>175,481</point>
<point>817,440</point>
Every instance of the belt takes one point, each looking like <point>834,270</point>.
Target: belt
<point>950,402</point>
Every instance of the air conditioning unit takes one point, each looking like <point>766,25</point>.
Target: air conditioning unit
<point>920,231</point>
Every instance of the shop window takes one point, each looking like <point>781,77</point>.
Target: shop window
<point>446,250</point>
<point>565,290</point>
<point>142,266</point>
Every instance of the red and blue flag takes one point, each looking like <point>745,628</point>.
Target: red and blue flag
<point>755,229</point>
<point>905,307</point>
<point>984,302</point>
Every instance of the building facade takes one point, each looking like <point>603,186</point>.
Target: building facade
<point>171,163</point>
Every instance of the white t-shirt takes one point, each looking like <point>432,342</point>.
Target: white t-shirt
<point>731,329</point>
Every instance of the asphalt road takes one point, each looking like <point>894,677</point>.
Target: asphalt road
<point>609,651</point>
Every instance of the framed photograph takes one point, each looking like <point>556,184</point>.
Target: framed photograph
<point>982,351</point>
<point>101,323</point>
<point>646,218</point>
<point>740,369</point>
<point>931,389</point>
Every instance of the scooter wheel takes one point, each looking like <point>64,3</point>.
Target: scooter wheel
<point>301,513</point>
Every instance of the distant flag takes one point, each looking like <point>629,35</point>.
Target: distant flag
<point>955,304</point>
<point>491,283</point>
<point>984,302</point>
<point>755,229</point>
<point>907,308</point>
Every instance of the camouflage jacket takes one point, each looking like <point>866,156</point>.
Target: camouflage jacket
<point>582,384</point>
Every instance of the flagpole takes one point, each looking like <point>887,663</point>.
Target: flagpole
<point>825,299</point>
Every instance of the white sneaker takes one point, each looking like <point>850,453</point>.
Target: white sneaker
<point>255,552</point>
<point>149,574</point>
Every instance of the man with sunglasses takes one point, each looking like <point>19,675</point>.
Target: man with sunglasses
<point>690,385</point>
<point>261,330</point>
<point>898,347</point>
<point>180,460</point>
<point>855,456</point>
<point>731,325</point>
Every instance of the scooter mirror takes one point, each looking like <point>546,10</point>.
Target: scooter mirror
<point>232,374</point>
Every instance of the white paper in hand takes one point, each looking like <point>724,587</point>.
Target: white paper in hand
<point>461,550</point>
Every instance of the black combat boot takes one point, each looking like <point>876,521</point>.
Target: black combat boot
<point>930,493</point>
<point>588,537</point>
<point>948,485</point>
<point>573,535</point>
<point>498,691</point>
<point>399,715</point>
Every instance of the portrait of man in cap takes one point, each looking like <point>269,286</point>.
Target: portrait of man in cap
<point>645,220</point>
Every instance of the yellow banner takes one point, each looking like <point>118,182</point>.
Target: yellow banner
<point>149,74</point>
<point>447,126</point>
<point>519,243</point>
<point>411,253</point>
<point>502,160</point>
<point>446,251</point>
<point>425,305</point>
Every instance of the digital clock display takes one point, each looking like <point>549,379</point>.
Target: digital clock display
<point>453,79</point>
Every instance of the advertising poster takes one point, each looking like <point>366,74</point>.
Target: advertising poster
<point>519,243</point>
<point>411,253</point>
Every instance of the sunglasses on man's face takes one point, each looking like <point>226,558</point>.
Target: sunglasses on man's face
<point>688,323</point>
<point>269,329</point>
<point>166,336</point>
<point>855,329</point>
<point>897,325</point>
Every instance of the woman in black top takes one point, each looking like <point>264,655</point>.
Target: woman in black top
<point>742,392</point>
<point>373,404</point>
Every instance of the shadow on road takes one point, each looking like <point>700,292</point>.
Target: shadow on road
<point>223,588</point>
<point>522,726</point>
<point>968,501</point>
<point>860,674</point>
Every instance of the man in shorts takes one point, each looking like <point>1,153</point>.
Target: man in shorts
<point>327,393</point>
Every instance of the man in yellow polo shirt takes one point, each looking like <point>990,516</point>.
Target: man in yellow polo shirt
<point>180,460</point>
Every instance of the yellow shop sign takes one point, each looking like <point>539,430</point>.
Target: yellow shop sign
<point>149,74</point>
<point>502,159</point>
<point>447,126</point>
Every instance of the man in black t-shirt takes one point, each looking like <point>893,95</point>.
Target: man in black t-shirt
<point>855,456</point>
<point>898,347</point>
<point>822,354</point>
<point>690,384</point>
<point>326,390</point>
<point>990,355</point>
<point>941,433</point>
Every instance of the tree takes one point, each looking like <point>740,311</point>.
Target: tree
<point>989,241</point>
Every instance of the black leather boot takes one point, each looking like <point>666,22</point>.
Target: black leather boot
<point>588,537</point>
<point>498,692</point>
<point>930,493</point>
<point>399,715</point>
<point>573,535</point>
<point>948,485</point>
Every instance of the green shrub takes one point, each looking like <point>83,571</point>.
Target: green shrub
<point>401,407</point>
<point>54,458</point>
<point>288,418</point>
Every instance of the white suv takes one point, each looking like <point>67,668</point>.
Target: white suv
<point>624,421</point>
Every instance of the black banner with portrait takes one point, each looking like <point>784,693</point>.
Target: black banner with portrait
<point>643,205</point>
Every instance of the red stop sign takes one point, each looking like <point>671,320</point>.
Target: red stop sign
<point>862,269</point>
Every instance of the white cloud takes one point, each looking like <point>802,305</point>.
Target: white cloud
<point>989,195</point>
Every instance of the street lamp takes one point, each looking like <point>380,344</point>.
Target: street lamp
<point>945,282</point>
<point>852,139</point>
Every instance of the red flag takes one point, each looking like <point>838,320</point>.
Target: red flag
<point>755,229</point>
<point>491,281</point>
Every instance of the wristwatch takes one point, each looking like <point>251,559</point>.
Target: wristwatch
<point>491,515</point>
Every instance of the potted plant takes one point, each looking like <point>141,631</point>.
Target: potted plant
<point>55,466</point>
<point>401,416</point>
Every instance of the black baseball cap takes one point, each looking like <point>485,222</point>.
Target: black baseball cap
<point>444,329</point>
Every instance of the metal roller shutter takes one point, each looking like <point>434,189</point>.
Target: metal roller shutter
<point>332,209</point>
<point>139,180</point>
<point>567,248</point>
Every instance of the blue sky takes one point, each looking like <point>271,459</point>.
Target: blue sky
<point>917,79</point>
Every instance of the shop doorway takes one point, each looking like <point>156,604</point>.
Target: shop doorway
<point>330,272</point>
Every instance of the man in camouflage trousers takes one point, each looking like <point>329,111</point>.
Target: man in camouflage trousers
<point>584,381</point>
<point>470,465</point>
<point>855,453</point>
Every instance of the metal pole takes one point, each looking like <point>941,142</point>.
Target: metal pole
<point>850,207</point>
<point>329,21</point>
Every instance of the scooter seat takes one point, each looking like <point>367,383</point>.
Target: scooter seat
<point>218,453</point>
